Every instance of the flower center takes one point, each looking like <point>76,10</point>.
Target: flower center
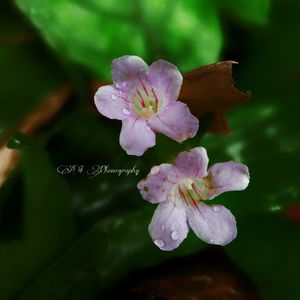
<point>146,101</point>
<point>192,190</point>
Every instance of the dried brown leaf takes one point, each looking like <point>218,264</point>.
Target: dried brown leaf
<point>8,160</point>
<point>293,212</point>
<point>210,89</point>
<point>18,39</point>
<point>208,275</point>
<point>30,125</point>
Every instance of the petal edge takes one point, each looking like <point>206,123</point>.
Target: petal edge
<point>136,136</point>
<point>166,77</point>
<point>228,176</point>
<point>108,103</point>
<point>155,187</point>
<point>213,224</point>
<point>168,227</point>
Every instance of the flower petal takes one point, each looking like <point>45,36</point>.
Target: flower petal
<point>166,78</point>
<point>213,224</point>
<point>155,187</point>
<point>127,70</point>
<point>176,122</point>
<point>136,136</point>
<point>228,176</point>
<point>192,163</point>
<point>109,104</point>
<point>168,227</point>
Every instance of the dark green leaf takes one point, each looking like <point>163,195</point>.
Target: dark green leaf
<point>267,249</point>
<point>46,223</point>
<point>253,11</point>
<point>74,274</point>
<point>129,247</point>
<point>265,135</point>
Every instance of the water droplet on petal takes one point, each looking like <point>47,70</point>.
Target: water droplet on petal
<point>159,243</point>
<point>211,241</point>
<point>154,170</point>
<point>118,85</point>
<point>114,97</point>
<point>126,112</point>
<point>175,235</point>
<point>124,83</point>
<point>216,208</point>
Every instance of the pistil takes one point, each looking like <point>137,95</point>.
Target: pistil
<point>145,102</point>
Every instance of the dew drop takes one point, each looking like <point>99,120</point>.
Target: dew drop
<point>159,243</point>
<point>124,83</point>
<point>154,170</point>
<point>175,235</point>
<point>114,97</point>
<point>126,112</point>
<point>118,85</point>
<point>216,208</point>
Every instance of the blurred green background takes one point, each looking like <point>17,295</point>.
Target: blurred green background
<point>72,237</point>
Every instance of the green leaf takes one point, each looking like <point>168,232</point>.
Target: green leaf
<point>91,143</point>
<point>91,147</point>
<point>253,11</point>
<point>128,247</point>
<point>74,274</point>
<point>46,225</point>
<point>87,32</point>
<point>267,249</point>
<point>267,143</point>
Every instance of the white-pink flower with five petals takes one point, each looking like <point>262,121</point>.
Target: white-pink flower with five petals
<point>181,190</point>
<point>145,100</point>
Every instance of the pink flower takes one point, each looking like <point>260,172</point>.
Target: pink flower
<point>145,100</point>
<point>181,190</point>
